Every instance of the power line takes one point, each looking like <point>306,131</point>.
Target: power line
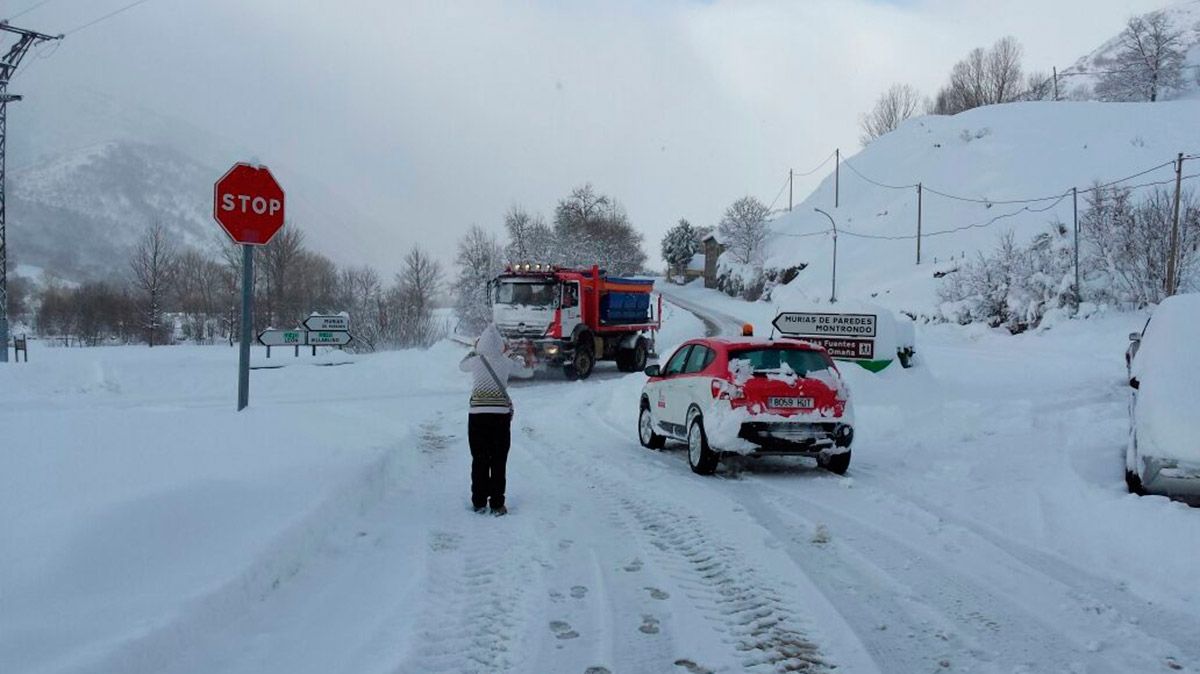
<point>106,17</point>
<point>27,10</point>
<point>876,182</point>
<point>796,174</point>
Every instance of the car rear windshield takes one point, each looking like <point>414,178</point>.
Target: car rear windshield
<point>799,360</point>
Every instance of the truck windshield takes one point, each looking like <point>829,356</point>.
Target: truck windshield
<point>800,361</point>
<point>525,293</point>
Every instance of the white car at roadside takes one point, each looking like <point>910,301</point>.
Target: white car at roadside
<point>1163,455</point>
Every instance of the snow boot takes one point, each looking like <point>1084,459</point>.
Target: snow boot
<point>499,511</point>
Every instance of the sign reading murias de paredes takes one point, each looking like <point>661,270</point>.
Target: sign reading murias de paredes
<point>797,324</point>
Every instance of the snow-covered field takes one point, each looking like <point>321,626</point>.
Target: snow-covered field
<point>983,525</point>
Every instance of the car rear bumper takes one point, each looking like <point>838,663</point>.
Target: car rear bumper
<point>1172,478</point>
<point>797,438</point>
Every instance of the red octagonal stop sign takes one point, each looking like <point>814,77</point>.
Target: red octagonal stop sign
<point>248,204</point>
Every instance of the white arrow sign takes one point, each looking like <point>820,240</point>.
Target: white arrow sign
<point>282,338</point>
<point>329,338</point>
<point>796,324</point>
<point>339,322</point>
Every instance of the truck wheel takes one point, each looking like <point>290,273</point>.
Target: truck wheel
<point>632,360</point>
<point>581,364</point>
<point>639,357</point>
<point>701,457</point>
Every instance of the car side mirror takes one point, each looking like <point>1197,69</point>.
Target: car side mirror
<point>653,371</point>
<point>1134,383</point>
<point>1135,336</point>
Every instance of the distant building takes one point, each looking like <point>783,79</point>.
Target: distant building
<point>712,250</point>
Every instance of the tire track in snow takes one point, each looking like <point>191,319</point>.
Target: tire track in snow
<point>985,623</point>
<point>762,633</point>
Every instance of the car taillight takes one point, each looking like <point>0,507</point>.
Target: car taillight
<point>723,390</point>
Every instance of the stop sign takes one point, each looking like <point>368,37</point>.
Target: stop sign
<point>248,204</point>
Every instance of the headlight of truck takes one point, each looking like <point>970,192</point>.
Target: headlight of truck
<point>552,349</point>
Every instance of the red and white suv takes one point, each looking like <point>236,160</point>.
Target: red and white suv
<point>748,395</point>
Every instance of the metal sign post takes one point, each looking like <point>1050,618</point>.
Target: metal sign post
<point>247,326</point>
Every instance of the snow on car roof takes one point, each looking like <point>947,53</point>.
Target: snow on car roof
<point>761,341</point>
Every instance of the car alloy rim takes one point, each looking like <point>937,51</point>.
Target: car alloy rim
<point>694,444</point>
<point>644,426</point>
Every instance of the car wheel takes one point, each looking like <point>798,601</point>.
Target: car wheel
<point>835,463</point>
<point>1133,481</point>
<point>700,456</point>
<point>646,434</point>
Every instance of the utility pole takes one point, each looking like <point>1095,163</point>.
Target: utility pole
<point>920,189</point>
<point>1173,254</point>
<point>791,176</point>
<point>833,285</point>
<point>8,66</point>
<point>1075,218</point>
<point>1056,83</point>
<point>837,175</point>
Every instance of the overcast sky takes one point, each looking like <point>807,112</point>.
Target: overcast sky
<point>432,116</point>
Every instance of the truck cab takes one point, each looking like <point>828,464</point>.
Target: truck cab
<point>571,318</point>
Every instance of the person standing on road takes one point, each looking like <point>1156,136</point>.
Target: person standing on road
<point>490,418</point>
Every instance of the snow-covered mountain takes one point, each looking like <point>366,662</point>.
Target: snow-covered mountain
<point>78,214</point>
<point>89,173</point>
<point>969,165</point>
<point>1079,80</point>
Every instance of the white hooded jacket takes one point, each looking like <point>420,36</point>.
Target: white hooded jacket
<point>489,396</point>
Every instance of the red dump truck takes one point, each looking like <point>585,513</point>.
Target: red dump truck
<point>571,318</point>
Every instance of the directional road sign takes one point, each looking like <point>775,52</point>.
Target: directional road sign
<point>283,338</point>
<point>337,323</point>
<point>329,338</point>
<point>854,326</point>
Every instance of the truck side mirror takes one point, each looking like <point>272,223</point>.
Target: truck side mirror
<point>653,371</point>
<point>1135,336</point>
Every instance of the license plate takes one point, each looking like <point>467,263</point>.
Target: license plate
<point>782,403</point>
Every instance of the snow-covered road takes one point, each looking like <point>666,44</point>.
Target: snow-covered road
<point>982,526</point>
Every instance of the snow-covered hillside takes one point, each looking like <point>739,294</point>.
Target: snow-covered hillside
<point>78,214</point>
<point>970,165</point>
<point>88,174</point>
<point>1079,81</point>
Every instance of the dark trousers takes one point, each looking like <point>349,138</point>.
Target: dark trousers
<point>489,437</point>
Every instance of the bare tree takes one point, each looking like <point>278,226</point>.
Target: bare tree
<point>892,107</point>
<point>1038,87</point>
<point>360,293</point>
<point>479,259</point>
<point>198,293</point>
<point>529,237</point>
<point>744,229</point>
<point>984,77</point>
<point>592,228</point>
<point>1149,62</point>
<point>282,287</point>
<point>416,287</point>
<point>154,268</point>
